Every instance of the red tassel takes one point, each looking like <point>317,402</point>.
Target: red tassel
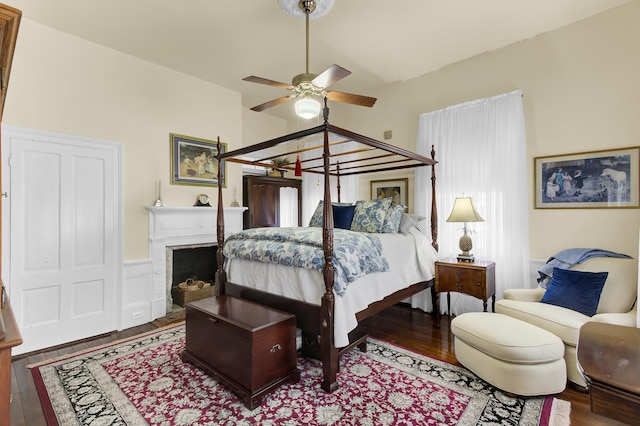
<point>298,166</point>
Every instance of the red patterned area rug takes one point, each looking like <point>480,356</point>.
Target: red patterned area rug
<point>143,380</point>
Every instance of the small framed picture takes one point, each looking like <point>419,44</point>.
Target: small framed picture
<point>596,179</point>
<point>194,162</point>
<point>397,189</point>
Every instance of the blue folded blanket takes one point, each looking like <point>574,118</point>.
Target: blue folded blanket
<point>569,257</point>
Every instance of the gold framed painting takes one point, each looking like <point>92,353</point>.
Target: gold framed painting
<point>397,189</point>
<point>594,179</point>
<point>194,162</point>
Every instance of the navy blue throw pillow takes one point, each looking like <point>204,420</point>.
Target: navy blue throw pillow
<point>576,290</point>
<point>342,216</point>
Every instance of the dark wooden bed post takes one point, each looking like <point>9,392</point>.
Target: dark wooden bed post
<point>328,351</point>
<point>221,275</point>
<point>338,178</point>
<point>434,209</point>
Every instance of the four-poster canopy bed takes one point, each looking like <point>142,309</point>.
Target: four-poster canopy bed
<point>318,319</point>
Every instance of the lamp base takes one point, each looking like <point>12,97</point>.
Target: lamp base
<point>465,246</point>
<point>466,258</point>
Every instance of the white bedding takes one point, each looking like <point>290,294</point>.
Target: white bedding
<point>411,259</point>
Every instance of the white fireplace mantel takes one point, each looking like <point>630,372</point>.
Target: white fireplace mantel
<point>180,226</point>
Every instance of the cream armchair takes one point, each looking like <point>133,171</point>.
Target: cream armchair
<point>616,306</point>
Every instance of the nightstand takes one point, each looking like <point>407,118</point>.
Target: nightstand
<point>477,279</point>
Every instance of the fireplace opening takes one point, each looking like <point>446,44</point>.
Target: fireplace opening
<point>198,262</point>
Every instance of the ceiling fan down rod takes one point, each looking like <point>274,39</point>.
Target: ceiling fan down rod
<point>307,7</point>
<point>307,59</point>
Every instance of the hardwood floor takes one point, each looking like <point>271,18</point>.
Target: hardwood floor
<point>410,328</point>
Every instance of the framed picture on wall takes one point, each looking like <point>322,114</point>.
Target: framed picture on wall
<point>595,179</point>
<point>193,161</point>
<point>397,189</point>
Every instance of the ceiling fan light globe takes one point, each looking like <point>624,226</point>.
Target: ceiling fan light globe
<point>307,107</point>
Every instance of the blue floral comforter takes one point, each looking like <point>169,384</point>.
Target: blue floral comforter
<point>355,254</point>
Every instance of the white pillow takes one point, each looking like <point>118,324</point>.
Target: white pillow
<point>423,226</point>
<point>407,221</point>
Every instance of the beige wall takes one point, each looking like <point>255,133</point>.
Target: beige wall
<point>64,84</point>
<point>257,127</point>
<point>581,88</point>
<point>580,85</point>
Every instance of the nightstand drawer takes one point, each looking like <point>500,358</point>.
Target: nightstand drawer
<point>468,281</point>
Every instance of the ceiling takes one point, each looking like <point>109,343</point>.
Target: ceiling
<point>379,41</point>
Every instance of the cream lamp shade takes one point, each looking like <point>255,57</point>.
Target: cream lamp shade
<point>465,211</point>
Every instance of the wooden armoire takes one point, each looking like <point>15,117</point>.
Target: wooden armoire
<point>9,332</point>
<point>261,194</point>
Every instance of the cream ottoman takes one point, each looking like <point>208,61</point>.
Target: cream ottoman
<point>511,354</point>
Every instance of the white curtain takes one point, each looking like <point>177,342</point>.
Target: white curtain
<point>313,184</point>
<point>288,206</point>
<point>481,150</point>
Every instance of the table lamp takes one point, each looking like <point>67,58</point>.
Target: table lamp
<point>465,211</point>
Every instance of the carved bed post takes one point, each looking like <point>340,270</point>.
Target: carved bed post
<point>434,209</point>
<point>434,237</point>
<point>338,178</point>
<point>328,351</point>
<point>221,275</point>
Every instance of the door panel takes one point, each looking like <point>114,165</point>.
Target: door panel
<point>64,279</point>
<point>41,188</point>
<point>90,221</point>
<point>265,206</point>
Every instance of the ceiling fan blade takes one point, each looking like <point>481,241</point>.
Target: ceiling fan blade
<point>272,103</point>
<point>349,98</point>
<point>268,82</point>
<point>329,76</point>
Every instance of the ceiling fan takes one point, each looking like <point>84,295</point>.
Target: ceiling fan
<point>307,88</point>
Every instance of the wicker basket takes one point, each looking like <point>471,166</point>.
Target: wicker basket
<point>191,290</point>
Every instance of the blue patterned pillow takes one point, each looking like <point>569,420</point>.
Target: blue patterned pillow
<point>369,215</point>
<point>392,219</point>
<point>342,216</point>
<point>316,219</point>
<point>575,290</point>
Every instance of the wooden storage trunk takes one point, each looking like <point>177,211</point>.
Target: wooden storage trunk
<point>249,347</point>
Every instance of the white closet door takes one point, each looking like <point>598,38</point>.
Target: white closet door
<point>64,239</point>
